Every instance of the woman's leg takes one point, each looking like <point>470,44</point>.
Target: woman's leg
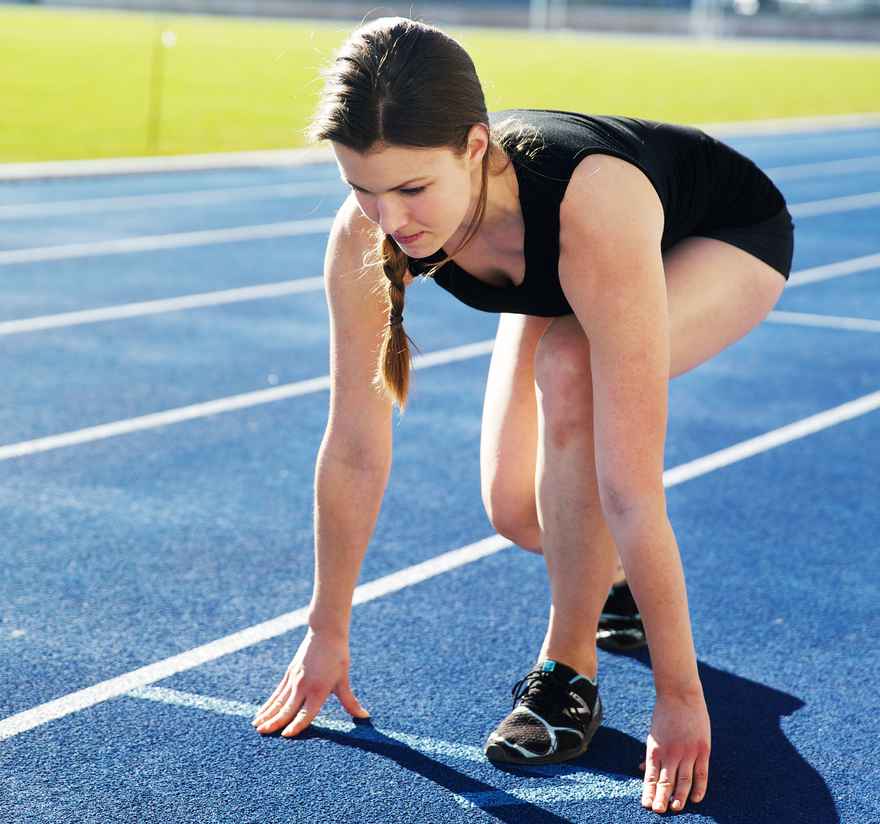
<point>578,548</point>
<point>509,434</point>
<point>716,294</point>
<point>509,426</point>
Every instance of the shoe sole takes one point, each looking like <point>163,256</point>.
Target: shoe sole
<point>499,754</point>
<point>620,633</point>
<point>615,640</point>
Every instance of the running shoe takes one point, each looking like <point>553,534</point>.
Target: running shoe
<point>556,712</point>
<point>620,624</point>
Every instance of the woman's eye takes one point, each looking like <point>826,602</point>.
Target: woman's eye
<point>412,191</point>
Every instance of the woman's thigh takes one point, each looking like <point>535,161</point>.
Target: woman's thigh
<point>509,433</point>
<point>716,293</point>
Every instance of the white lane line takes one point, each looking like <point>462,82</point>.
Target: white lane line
<point>829,321</point>
<point>267,191</point>
<point>88,697</point>
<point>430,746</point>
<point>207,237</point>
<point>149,243</point>
<point>799,171</point>
<point>848,203</point>
<point>142,677</point>
<point>777,437</point>
<point>203,299</point>
<point>157,419</point>
<point>155,307</point>
<point>175,163</point>
<point>221,706</point>
<point>299,388</point>
<point>786,125</point>
<point>833,270</point>
<point>600,787</point>
<point>581,785</point>
<point>201,197</point>
<point>228,404</point>
<point>323,154</point>
<point>249,399</point>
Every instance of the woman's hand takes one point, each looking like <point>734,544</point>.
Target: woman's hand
<point>319,667</point>
<point>677,762</point>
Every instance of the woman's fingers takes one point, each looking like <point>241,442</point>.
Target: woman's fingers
<point>652,776</point>
<point>305,716</point>
<point>277,716</point>
<point>271,709</point>
<point>665,783</point>
<point>679,742</point>
<point>302,708</point>
<point>701,777</point>
<point>347,698</point>
<point>670,785</point>
<point>682,785</point>
<point>259,717</point>
<point>319,667</point>
<point>660,781</point>
<point>268,711</point>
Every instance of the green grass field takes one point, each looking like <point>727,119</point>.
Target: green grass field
<point>76,84</point>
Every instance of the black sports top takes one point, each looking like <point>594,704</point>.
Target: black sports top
<point>702,184</point>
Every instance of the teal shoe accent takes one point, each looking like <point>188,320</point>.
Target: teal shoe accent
<point>549,666</point>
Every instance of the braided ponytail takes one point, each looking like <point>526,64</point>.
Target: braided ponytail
<point>392,374</point>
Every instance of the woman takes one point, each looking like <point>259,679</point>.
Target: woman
<point>619,253</point>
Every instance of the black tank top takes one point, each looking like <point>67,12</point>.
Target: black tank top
<point>702,184</point>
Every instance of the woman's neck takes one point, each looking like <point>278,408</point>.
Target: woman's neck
<point>501,226</point>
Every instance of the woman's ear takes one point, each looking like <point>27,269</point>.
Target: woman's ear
<point>478,143</point>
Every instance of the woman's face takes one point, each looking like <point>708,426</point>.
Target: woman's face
<point>424,198</point>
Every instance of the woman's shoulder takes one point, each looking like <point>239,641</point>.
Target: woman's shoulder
<point>607,192</point>
<point>351,244</point>
<point>354,241</point>
<point>557,136</point>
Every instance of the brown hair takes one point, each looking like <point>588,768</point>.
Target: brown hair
<point>400,82</point>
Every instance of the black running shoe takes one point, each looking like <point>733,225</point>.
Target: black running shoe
<point>620,624</point>
<point>556,711</point>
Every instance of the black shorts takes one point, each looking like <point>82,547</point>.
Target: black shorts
<point>770,240</point>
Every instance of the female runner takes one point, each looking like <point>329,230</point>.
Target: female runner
<point>619,253</point>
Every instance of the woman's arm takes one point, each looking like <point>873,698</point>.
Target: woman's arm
<point>347,504</point>
<point>611,271</point>
<point>354,461</point>
<point>351,474</point>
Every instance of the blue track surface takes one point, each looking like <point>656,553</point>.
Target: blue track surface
<point>127,550</point>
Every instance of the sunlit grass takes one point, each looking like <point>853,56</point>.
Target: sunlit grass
<point>76,84</point>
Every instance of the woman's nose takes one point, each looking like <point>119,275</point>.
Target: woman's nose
<point>392,217</point>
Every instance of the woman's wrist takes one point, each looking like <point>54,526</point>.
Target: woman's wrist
<point>687,687</point>
<point>329,623</point>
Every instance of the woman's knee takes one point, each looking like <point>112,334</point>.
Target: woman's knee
<point>513,521</point>
<point>562,373</point>
<point>527,537</point>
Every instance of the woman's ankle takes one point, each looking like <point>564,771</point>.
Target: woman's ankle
<point>583,664</point>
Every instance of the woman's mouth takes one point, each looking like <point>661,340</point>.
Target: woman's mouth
<point>408,240</point>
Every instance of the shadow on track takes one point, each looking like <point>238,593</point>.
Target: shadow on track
<point>756,776</point>
<point>367,738</point>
